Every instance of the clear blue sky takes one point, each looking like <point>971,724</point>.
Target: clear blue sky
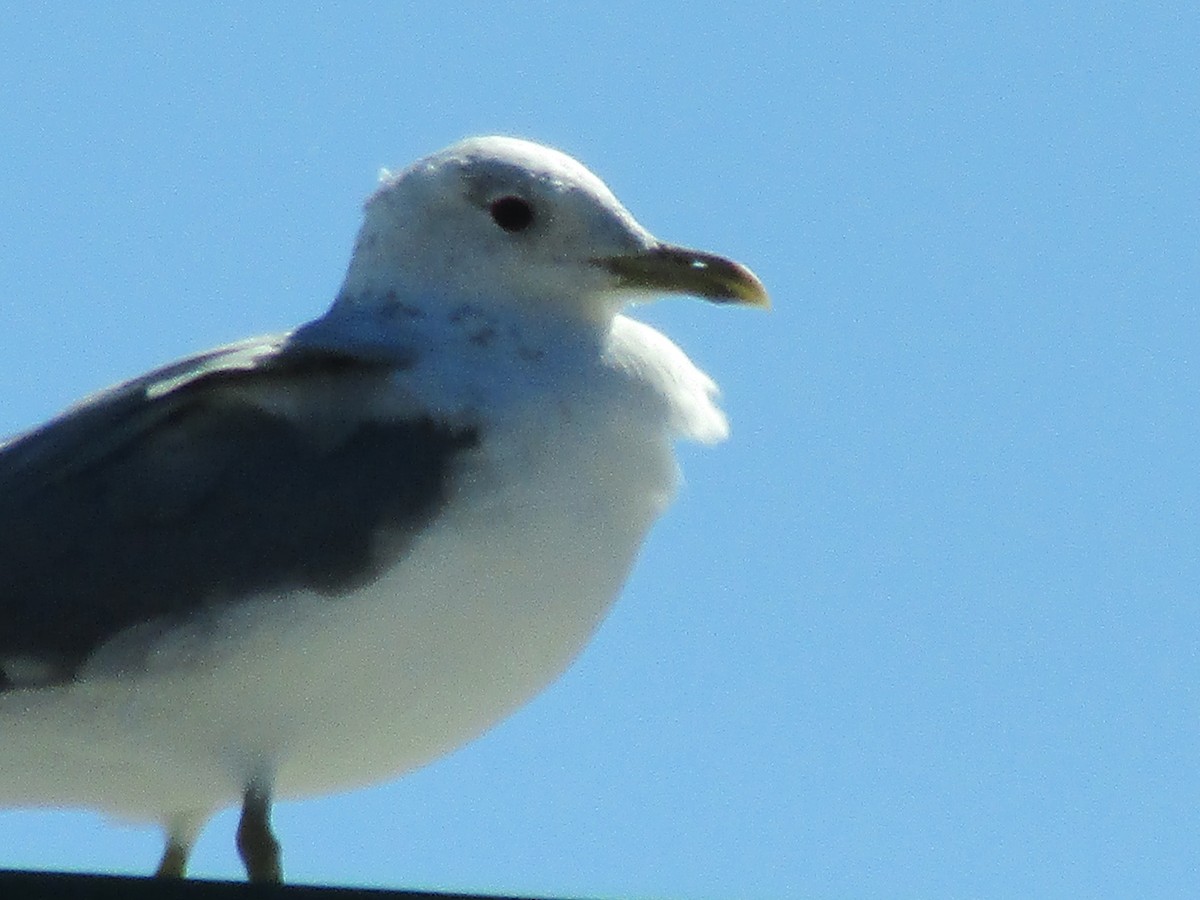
<point>927,625</point>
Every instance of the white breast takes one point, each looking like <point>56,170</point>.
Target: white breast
<point>483,611</point>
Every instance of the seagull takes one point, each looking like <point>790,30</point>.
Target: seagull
<point>317,560</point>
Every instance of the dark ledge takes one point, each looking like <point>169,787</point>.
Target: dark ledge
<point>65,886</point>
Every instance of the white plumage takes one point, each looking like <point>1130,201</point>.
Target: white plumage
<point>410,515</point>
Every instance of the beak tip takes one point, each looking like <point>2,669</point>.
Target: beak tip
<point>751,291</point>
<point>741,287</point>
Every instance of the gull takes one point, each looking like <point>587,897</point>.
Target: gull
<point>312,561</point>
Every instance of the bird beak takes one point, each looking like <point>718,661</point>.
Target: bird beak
<point>678,270</point>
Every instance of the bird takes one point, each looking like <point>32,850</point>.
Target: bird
<point>316,560</point>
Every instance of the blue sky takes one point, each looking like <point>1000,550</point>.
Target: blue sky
<point>927,625</point>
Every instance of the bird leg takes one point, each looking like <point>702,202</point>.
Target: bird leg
<point>174,860</point>
<point>255,843</point>
<point>181,835</point>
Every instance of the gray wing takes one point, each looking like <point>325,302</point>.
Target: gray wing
<point>170,495</point>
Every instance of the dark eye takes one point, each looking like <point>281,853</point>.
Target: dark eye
<point>512,213</point>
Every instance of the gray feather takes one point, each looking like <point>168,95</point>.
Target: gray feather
<point>171,494</point>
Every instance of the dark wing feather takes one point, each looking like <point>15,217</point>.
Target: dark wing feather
<point>172,494</point>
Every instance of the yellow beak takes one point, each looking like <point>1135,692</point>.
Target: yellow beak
<point>678,270</point>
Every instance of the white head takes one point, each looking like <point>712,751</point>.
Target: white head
<point>497,220</point>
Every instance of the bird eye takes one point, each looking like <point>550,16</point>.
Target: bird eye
<point>512,213</point>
